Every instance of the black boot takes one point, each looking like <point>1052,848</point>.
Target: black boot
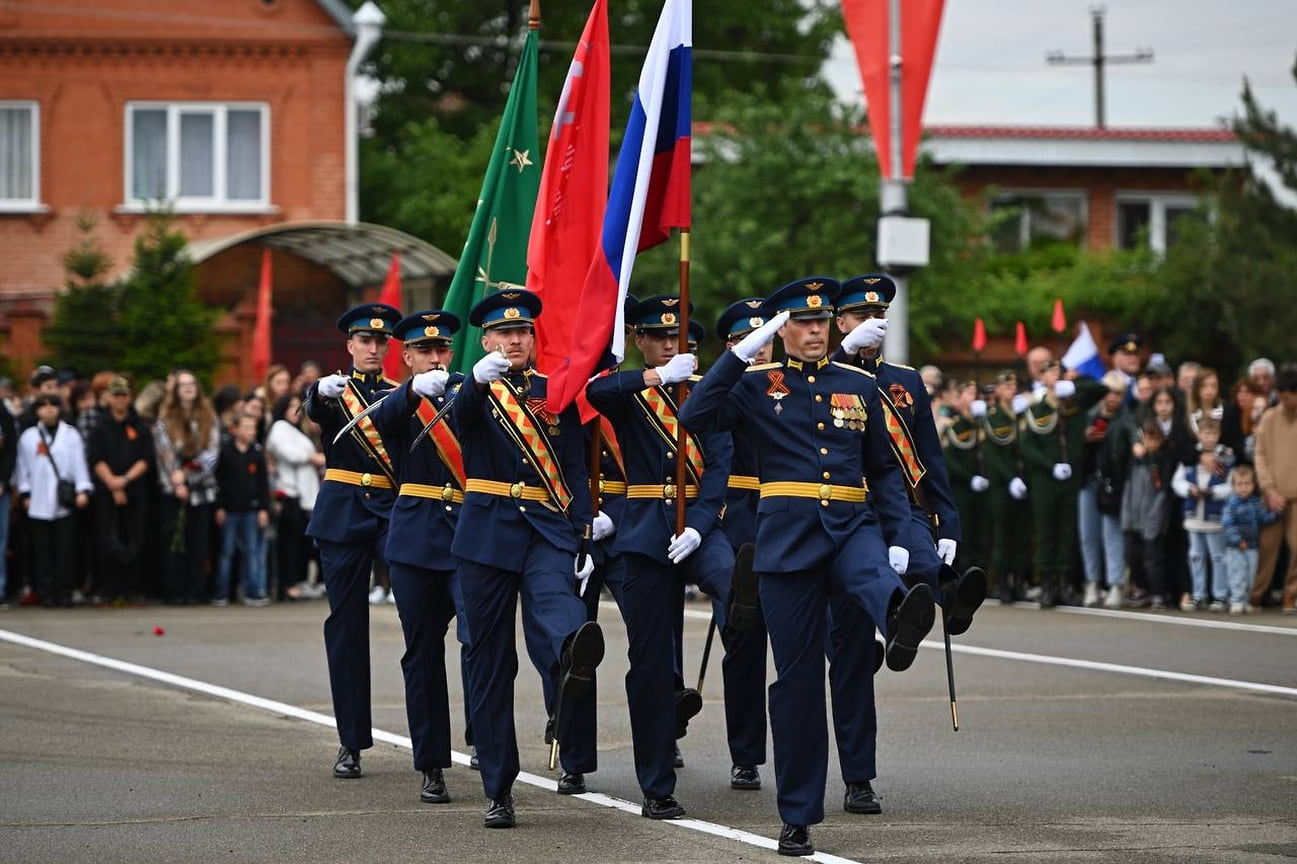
<point>907,623</point>
<point>795,840</point>
<point>347,765</point>
<point>434,788</point>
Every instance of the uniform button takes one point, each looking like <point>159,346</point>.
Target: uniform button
<point>824,451</point>
<point>810,379</point>
<point>819,426</point>
<point>448,508</point>
<point>670,455</point>
<point>525,462</point>
<point>819,398</point>
<point>522,509</point>
<point>824,503</point>
<point>825,475</point>
<point>367,495</point>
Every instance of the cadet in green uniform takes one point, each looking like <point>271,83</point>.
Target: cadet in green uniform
<point>1053,446</point>
<point>961,439</point>
<point>998,420</point>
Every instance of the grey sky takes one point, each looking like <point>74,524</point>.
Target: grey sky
<point>991,68</point>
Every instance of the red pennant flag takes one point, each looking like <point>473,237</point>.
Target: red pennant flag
<point>261,327</point>
<point>393,365</point>
<point>1059,322</point>
<point>867,26</point>
<point>1020,343</point>
<point>979,335</point>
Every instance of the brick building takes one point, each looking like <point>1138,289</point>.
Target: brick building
<point>233,111</point>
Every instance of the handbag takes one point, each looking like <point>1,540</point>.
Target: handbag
<point>66,490</point>
<point>1107,495</point>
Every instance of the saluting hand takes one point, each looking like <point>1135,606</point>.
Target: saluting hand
<point>750,344</point>
<point>868,334</point>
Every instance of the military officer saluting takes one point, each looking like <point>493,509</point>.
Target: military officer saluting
<point>349,522</point>
<point>526,508</point>
<point>862,318</point>
<point>821,431</point>
<point>429,493</point>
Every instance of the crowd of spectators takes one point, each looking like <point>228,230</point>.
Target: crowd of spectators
<point>113,497</point>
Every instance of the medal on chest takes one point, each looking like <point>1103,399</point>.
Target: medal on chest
<point>777,389</point>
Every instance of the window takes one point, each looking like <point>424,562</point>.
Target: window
<point>198,156</point>
<point>1152,219</point>
<point>20,156</point>
<point>1039,218</point>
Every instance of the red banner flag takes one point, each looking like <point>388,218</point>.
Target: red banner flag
<point>868,28</point>
<point>979,335</point>
<point>1059,322</point>
<point>260,356</point>
<point>1020,343</point>
<point>393,365</point>
<point>573,193</point>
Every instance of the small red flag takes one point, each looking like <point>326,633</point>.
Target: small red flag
<point>1020,343</point>
<point>393,365</point>
<point>260,357</point>
<point>979,334</point>
<point>1059,322</point>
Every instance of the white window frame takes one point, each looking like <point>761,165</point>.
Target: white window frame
<point>1157,203</point>
<point>32,204</point>
<point>217,203</point>
<point>1005,196</point>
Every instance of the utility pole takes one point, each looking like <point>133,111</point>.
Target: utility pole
<point>1098,61</point>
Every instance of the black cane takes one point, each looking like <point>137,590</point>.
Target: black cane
<point>707,653</point>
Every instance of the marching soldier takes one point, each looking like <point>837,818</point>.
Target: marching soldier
<point>998,418</point>
<point>642,408</point>
<point>862,318</point>
<point>349,522</point>
<point>820,429</point>
<point>429,495</point>
<point>1053,446</point>
<point>526,507</point>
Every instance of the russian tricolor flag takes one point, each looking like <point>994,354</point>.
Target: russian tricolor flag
<point>649,197</point>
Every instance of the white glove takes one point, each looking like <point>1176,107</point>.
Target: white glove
<point>677,369</point>
<point>946,550</point>
<point>582,568</point>
<point>979,483</point>
<point>750,344</point>
<point>1017,488</point>
<point>978,408</point>
<point>683,545</point>
<point>431,383</point>
<point>1064,389</point>
<point>1021,402</point>
<point>867,334</point>
<point>1062,471</point>
<point>602,527</point>
<point>490,368</point>
<point>899,558</point>
<point>331,386</point>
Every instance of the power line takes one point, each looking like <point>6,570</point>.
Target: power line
<point>1099,60</point>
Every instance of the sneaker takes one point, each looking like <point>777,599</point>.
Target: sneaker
<point>1188,604</point>
<point>377,595</point>
<point>256,601</point>
<point>220,601</point>
<point>1248,608</point>
<point>1091,595</point>
<point>1236,608</point>
<point>1114,598</point>
<point>1216,606</point>
<point>1158,602</point>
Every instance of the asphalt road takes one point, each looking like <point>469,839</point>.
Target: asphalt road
<point>1122,737</point>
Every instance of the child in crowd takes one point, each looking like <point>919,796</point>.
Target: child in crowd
<point>242,512</point>
<point>1204,491</point>
<point>1146,505</point>
<point>1244,514</point>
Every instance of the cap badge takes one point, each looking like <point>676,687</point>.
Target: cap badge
<point>510,295</point>
<point>756,322</point>
<point>668,318</point>
<point>815,301</point>
<point>753,304</point>
<point>873,280</point>
<point>670,301</point>
<point>512,312</point>
<point>376,322</point>
<point>433,316</point>
<point>432,331</point>
<point>872,296</point>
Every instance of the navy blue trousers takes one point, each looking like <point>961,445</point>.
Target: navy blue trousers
<point>346,568</point>
<point>551,613</point>
<point>425,604</point>
<point>925,564</point>
<point>850,650</point>
<point>795,606</point>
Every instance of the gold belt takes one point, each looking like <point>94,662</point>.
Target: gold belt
<point>612,487</point>
<point>437,493</point>
<point>507,490</point>
<point>742,481</point>
<point>355,478</point>
<point>666,492</point>
<point>823,491</point>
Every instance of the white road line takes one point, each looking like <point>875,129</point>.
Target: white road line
<point>1153,618</point>
<point>1093,665</point>
<point>316,717</point>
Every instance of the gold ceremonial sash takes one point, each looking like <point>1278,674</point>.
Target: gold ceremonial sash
<point>444,440</point>
<point>520,424</point>
<point>364,432</point>
<point>902,444</point>
<point>661,413</point>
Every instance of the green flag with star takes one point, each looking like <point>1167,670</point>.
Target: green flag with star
<point>495,253</point>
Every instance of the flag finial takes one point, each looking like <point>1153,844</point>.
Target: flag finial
<point>533,16</point>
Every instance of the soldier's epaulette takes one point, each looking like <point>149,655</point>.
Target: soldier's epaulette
<point>694,379</point>
<point>536,374</point>
<point>761,367</point>
<point>865,372</point>
<point>900,365</point>
<point>390,383</point>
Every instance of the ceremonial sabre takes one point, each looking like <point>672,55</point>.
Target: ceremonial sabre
<point>351,424</point>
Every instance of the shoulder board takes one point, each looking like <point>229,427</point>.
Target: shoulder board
<point>899,365</point>
<point>389,382</point>
<point>694,379</point>
<point>761,367</point>
<point>851,368</point>
<point>536,374</point>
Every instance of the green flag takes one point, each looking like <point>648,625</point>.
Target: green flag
<point>495,252</point>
